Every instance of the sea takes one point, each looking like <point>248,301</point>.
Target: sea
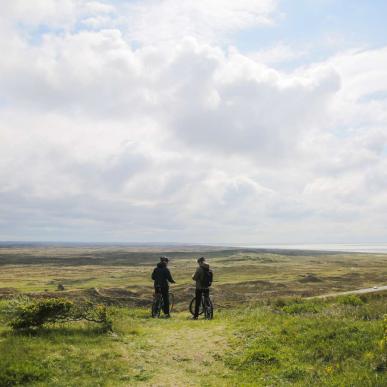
<point>380,248</point>
<point>345,247</point>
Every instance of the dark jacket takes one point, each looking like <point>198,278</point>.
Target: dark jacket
<point>199,275</point>
<point>162,276</point>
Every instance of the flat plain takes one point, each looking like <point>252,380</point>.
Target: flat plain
<point>266,331</point>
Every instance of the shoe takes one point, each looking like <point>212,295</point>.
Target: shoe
<point>194,318</point>
<point>167,316</point>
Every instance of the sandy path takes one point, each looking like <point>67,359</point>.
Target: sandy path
<point>374,289</point>
<point>185,353</point>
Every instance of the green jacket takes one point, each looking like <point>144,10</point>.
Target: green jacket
<point>199,275</point>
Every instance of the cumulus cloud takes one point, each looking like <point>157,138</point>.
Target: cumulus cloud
<point>118,124</point>
<point>162,21</point>
<point>279,53</point>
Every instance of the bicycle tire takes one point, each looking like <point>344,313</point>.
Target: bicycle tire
<point>171,301</point>
<point>156,306</point>
<point>192,307</point>
<point>209,309</point>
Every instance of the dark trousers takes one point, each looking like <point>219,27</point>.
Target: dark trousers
<point>165,293</point>
<point>198,299</point>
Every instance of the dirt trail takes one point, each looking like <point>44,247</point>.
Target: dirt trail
<point>183,352</point>
<point>374,289</point>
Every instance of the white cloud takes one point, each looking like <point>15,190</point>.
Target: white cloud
<point>186,140</point>
<point>279,53</point>
<point>153,21</point>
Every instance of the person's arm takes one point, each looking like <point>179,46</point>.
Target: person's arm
<point>153,275</point>
<point>169,277</point>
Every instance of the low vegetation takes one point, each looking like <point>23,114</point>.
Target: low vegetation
<point>279,342</point>
<point>241,275</point>
<point>311,342</point>
<point>81,317</point>
<point>23,313</point>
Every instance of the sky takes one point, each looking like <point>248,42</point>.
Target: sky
<point>256,121</point>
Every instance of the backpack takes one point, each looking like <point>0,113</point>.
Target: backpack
<point>208,277</point>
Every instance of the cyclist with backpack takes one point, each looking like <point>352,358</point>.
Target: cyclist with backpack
<point>203,277</point>
<point>162,277</point>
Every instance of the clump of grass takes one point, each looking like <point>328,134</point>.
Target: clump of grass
<point>294,372</point>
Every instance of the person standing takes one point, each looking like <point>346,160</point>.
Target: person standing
<point>162,278</point>
<point>203,279</point>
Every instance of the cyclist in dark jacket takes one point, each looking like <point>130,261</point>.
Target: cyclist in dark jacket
<point>201,285</point>
<point>162,277</point>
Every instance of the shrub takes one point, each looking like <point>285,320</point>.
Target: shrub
<point>24,313</point>
<point>305,307</point>
<point>350,299</point>
<point>35,314</point>
<point>302,307</point>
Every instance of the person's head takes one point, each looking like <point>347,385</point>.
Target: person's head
<point>164,260</point>
<point>201,260</point>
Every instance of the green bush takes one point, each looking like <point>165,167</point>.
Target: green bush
<point>296,305</point>
<point>24,313</point>
<point>350,299</point>
<point>302,307</point>
<point>35,314</point>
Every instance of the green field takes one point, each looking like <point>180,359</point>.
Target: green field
<point>265,332</point>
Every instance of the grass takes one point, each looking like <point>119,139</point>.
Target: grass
<point>139,350</point>
<point>317,343</point>
<point>38,270</point>
<point>313,343</point>
<point>265,331</point>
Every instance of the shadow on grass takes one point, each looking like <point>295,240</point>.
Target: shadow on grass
<point>56,331</point>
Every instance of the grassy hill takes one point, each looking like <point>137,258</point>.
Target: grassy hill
<point>266,331</point>
<point>287,342</point>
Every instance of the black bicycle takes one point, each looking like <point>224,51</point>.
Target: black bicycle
<point>158,303</point>
<point>206,307</point>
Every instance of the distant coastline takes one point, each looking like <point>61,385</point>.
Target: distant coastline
<point>345,247</point>
<point>375,248</point>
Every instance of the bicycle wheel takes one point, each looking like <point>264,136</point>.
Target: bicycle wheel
<point>192,307</point>
<point>156,306</point>
<point>171,301</point>
<point>208,308</point>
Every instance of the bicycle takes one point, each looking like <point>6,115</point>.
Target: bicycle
<point>206,307</point>
<point>158,303</point>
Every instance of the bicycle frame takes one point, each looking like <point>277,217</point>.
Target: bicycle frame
<point>158,303</point>
<point>206,306</point>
